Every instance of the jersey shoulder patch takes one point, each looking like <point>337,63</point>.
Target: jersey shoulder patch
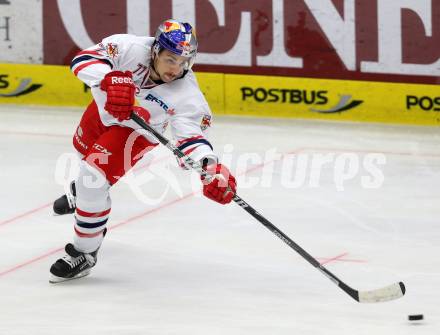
<point>206,122</point>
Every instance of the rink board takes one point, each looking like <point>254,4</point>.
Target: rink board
<point>41,85</point>
<point>53,85</point>
<point>332,99</point>
<point>251,95</point>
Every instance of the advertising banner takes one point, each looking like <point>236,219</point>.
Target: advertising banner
<point>21,32</point>
<point>48,85</point>
<point>52,85</point>
<point>263,96</point>
<point>339,100</point>
<point>377,40</point>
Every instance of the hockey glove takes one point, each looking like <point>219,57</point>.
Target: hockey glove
<point>222,186</point>
<point>120,94</point>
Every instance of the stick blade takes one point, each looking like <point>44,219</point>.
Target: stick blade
<point>387,293</point>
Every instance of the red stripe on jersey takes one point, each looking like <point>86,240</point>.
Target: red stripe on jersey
<point>189,139</point>
<point>80,234</point>
<point>187,152</point>
<point>92,215</point>
<point>88,52</point>
<point>79,68</point>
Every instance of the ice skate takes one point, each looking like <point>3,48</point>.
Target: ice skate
<point>66,203</point>
<point>73,265</point>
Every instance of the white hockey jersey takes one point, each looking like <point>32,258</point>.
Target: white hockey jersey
<point>179,103</point>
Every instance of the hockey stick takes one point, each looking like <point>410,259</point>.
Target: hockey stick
<point>387,293</point>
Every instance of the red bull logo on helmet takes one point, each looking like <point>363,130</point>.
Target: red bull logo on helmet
<point>170,26</point>
<point>184,46</point>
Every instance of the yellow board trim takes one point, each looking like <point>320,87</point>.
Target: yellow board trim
<point>264,96</point>
<point>316,98</point>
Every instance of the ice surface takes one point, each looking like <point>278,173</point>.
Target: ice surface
<point>184,265</point>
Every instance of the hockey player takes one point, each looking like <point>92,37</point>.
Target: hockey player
<point>156,73</point>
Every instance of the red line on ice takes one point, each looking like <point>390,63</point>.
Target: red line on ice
<point>32,211</point>
<point>328,260</point>
<point>2,223</point>
<point>151,211</point>
<point>339,258</point>
<point>131,219</point>
<point>32,260</point>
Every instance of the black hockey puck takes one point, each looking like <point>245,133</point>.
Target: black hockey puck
<point>415,317</point>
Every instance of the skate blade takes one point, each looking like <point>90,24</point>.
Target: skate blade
<point>54,279</point>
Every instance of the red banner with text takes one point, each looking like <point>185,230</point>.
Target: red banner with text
<point>373,40</point>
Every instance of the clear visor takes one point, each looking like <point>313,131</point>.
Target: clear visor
<point>186,64</point>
